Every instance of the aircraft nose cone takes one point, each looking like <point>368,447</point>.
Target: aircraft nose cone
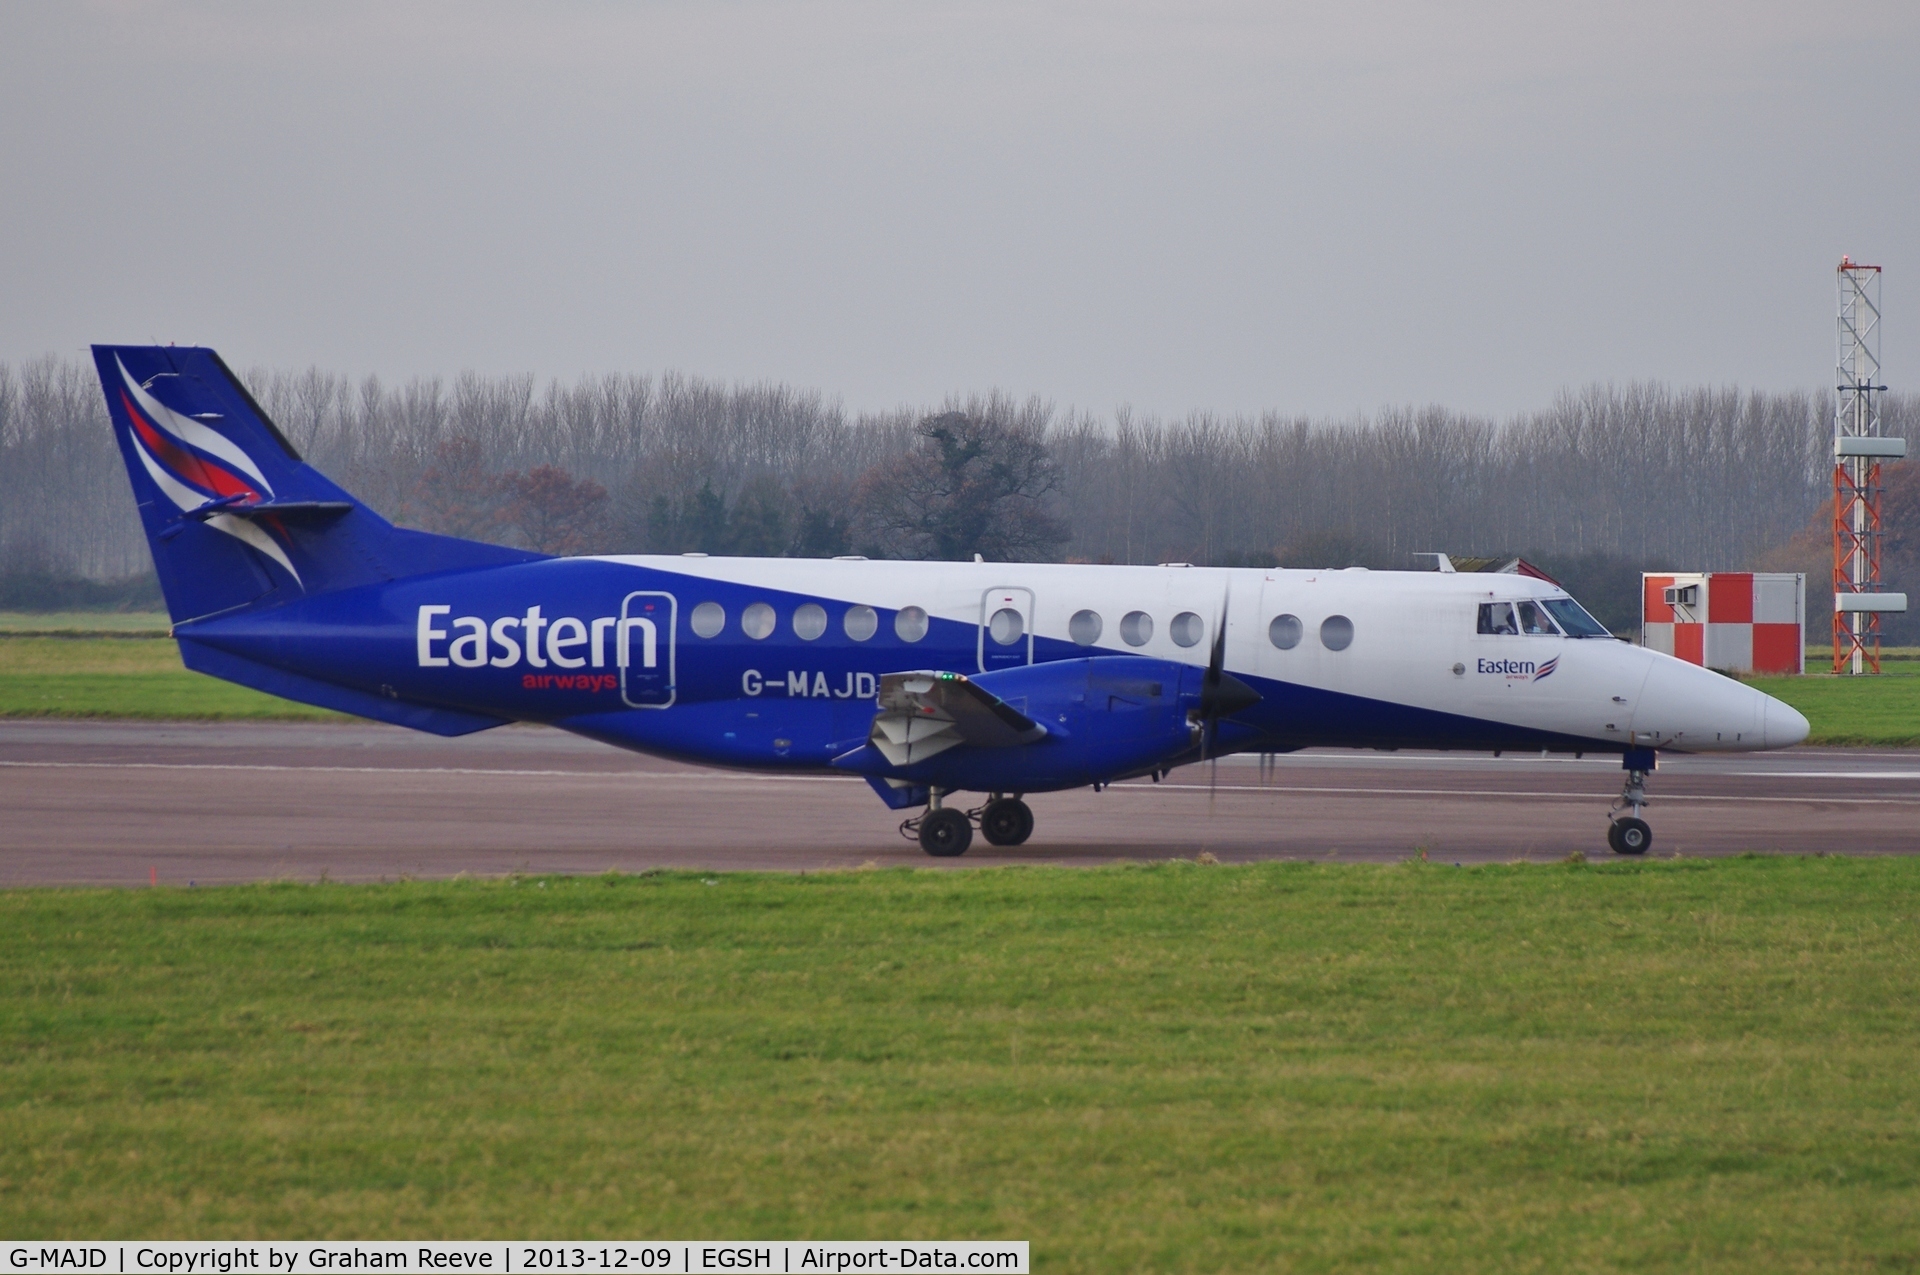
<point>1782,724</point>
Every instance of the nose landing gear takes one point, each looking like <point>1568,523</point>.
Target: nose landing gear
<point>1631,835</point>
<point>945,832</point>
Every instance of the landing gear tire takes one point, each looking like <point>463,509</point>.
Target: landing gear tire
<point>1006,822</point>
<point>1629,836</point>
<point>945,833</point>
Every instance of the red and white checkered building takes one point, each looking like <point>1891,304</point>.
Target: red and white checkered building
<point>1735,621</point>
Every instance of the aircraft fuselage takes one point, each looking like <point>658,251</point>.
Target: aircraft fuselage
<point>774,662</point>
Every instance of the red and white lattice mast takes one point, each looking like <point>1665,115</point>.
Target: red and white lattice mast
<point>1858,450</point>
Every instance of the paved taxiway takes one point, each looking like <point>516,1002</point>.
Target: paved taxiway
<point>111,802</point>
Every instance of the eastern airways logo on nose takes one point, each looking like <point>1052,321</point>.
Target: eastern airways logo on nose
<point>1519,670</point>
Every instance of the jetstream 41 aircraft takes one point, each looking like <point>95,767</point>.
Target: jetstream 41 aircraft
<point>929,679</point>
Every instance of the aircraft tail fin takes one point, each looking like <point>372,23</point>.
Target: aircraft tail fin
<point>232,513</point>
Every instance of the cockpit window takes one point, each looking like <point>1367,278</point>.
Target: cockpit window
<point>1574,618</point>
<point>1497,617</point>
<point>1534,621</point>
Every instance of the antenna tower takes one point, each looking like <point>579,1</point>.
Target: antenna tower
<point>1858,450</point>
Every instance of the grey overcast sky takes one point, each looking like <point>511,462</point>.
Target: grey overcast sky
<point>1313,207</point>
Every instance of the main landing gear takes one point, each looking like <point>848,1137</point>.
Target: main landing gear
<point>945,832</point>
<point>1631,835</point>
<point>1006,821</point>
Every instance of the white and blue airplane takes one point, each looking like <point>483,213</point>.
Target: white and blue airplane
<point>929,679</point>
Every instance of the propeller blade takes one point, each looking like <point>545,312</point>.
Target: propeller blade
<point>1212,701</point>
<point>1217,658</point>
<point>1210,690</point>
<point>1221,693</point>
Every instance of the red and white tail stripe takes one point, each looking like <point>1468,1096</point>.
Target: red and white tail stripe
<point>183,457</point>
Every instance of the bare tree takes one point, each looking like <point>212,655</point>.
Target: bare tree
<point>978,483</point>
<point>457,495</point>
<point>1607,478</point>
<point>554,511</point>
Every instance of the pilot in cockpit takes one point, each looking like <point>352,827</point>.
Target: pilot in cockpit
<point>1497,618</point>
<point>1534,621</point>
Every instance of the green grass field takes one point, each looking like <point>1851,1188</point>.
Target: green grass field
<point>133,676</point>
<point>1693,1065</point>
<point>1854,711</point>
<point>85,623</point>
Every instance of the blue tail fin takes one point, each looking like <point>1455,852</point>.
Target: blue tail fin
<point>233,515</point>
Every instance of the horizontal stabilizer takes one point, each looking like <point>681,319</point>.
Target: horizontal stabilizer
<point>310,510</point>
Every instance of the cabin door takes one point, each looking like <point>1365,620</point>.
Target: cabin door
<point>1006,628</point>
<point>644,643</point>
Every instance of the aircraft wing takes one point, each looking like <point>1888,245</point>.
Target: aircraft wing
<point>978,715</point>
<point>925,712</point>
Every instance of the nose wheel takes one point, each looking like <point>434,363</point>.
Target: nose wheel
<point>1629,836</point>
<point>1629,833</point>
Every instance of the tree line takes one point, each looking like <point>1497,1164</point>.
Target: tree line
<point>1599,484</point>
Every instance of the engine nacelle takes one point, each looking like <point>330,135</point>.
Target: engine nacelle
<point>1105,716</point>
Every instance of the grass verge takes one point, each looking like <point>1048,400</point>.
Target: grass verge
<point>1694,1065</point>
<point>126,677</point>
<point>1855,711</point>
<point>85,623</point>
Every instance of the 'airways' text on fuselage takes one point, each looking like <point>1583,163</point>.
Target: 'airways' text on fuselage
<point>564,641</point>
<point>803,685</point>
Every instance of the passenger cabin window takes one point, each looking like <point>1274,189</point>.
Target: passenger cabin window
<point>809,621</point>
<point>709,618</point>
<point>910,624</point>
<point>757,621</point>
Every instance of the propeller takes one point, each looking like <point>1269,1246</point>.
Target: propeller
<point>1221,695</point>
